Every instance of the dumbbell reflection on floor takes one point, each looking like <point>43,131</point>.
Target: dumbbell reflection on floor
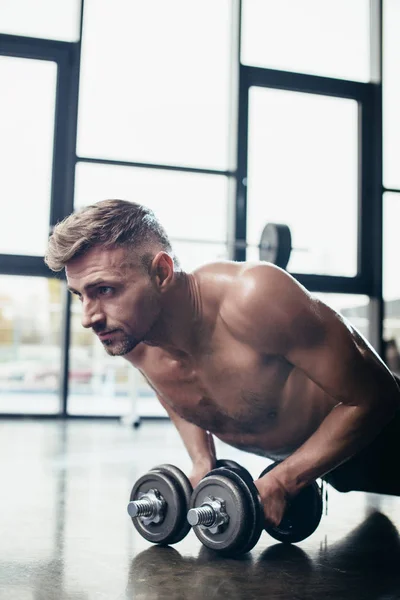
<point>160,501</point>
<point>227,516</point>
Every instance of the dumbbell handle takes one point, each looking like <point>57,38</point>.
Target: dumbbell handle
<point>203,515</point>
<point>149,506</point>
<point>211,514</point>
<point>141,508</point>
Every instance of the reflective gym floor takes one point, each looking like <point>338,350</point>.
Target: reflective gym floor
<point>65,532</point>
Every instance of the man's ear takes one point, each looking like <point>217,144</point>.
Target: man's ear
<point>162,270</point>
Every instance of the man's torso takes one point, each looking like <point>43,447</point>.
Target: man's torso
<point>255,401</point>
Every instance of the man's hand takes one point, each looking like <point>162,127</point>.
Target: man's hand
<point>273,496</point>
<point>200,470</point>
<point>205,464</point>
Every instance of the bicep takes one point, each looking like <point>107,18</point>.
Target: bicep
<point>336,357</point>
<point>326,350</point>
<point>278,316</point>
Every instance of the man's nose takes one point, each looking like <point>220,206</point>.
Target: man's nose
<point>91,314</point>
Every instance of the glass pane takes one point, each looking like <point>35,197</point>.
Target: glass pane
<point>192,255</point>
<point>41,19</point>
<point>329,38</point>
<point>391,94</point>
<point>30,355</point>
<point>303,171</point>
<point>156,91</point>
<point>391,282</point>
<point>27,105</point>
<point>352,306</point>
<point>183,202</point>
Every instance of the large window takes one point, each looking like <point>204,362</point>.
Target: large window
<point>27,105</point>
<point>303,171</point>
<point>157,105</point>
<point>329,38</point>
<point>155,82</point>
<point>55,20</point>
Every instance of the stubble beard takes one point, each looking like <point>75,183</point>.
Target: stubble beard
<point>120,347</point>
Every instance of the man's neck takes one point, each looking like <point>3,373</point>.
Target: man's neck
<point>180,323</point>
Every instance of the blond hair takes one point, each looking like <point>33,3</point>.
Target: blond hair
<point>110,224</point>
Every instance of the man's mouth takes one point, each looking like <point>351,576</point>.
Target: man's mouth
<point>106,334</point>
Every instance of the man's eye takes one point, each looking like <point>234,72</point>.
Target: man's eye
<point>105,290</point>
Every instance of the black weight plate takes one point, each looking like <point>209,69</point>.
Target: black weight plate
<point>185,491</point>
<point>236,505</point>
<point>276,244</point>
<point>164,532</point>
<point>255,516</point>
<point>302,515</point>
<point>234,466</point>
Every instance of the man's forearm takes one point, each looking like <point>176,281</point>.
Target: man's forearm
<point>343,433</point>
<point>197,441</point>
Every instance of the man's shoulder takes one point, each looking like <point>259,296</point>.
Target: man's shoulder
<point>256,282</point>
<point>261,298</point>
<point>225,282</point>
<point>237,273</point>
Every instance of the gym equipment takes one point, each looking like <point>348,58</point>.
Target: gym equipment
<point>226,512</point>
<point>275,244</point>
<point>235,466</point>
<point>159,503</point>
<point>227,515</point>
<point>302,515</point>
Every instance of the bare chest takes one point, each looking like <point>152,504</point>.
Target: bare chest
<point>232,391</point>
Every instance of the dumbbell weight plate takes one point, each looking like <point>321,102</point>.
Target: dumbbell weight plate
<point>168,529</point>
<point>255,517</point>
<point>185,491</point>
<point>276,244</point>
<point>234,466</point>
<point>244,510</point>
<point>236,506</point>
<point>302,515</point>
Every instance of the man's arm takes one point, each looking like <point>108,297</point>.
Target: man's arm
<point>277,315</point>
<point>198,442</point>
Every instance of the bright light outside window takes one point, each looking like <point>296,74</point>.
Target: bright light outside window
<point>183,202</point>
<point>391,94</point>
<point>49,19</point>
<point>303,171</point>
<point>27,103</point>
<point>155,82</point>
<point>30,356</point>
<point>329,38</point>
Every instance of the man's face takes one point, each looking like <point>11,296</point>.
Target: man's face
<point>120,304</point>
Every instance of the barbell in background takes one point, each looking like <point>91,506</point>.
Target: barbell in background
<point>275,245</point>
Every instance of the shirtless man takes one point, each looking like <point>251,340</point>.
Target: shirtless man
<point>237,350</point>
